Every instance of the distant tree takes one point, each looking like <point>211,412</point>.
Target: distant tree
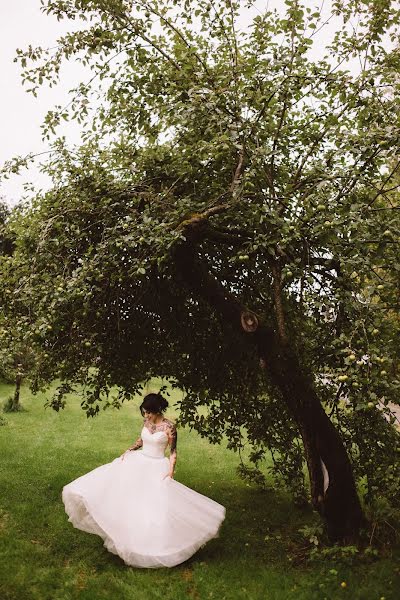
<point>6,242</point>
<point>15,366</point>
<point>16,359</point>
<point>224,225</point>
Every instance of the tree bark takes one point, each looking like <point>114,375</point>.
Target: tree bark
<point>18,381</point>
<point>333,490</point>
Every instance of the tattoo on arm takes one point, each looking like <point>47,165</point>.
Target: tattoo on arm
<point>173,439</point>
<point>138,444</point>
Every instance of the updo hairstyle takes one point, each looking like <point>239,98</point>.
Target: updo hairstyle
<point>154,403</point>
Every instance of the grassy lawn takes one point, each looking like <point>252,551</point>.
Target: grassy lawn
<point>42,557</point>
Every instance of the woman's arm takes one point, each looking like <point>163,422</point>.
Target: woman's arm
<point>173,439</point>
<point>138,444</point>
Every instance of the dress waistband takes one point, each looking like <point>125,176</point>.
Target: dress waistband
<point>149,456</point>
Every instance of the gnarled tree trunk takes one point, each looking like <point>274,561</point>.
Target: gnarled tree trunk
<point>333,490</point>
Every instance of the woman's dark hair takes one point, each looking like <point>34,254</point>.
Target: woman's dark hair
<point>154,403</point>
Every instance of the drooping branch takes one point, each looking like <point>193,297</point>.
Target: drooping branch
<point>197,276</point>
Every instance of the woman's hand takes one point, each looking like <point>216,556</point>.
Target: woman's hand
<point>169,474</point>
<point>126,452</point>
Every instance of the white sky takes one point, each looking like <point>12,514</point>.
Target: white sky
<point>21,115</point>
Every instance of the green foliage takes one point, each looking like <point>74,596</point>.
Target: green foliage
<point>6,242</point>
<point>382,534</point>
<point>384,516</point>
<point>313,533</point>
<point>182,98</point>
<point>376,453</point>
<point>348,555</point>
<point>252,475</point>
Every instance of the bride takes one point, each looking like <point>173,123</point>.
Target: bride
<point>143,514</point>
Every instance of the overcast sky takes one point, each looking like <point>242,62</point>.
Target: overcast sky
<point>22,23</point>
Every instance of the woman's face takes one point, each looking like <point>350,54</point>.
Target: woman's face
<point>149,415</point>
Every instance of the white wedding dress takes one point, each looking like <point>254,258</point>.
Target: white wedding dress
<point>147,520</point>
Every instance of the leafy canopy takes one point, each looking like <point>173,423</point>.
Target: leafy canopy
<point>295,156</point>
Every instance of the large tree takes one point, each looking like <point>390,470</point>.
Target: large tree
<point>229,223</point>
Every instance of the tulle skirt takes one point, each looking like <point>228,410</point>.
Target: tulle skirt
<point>147,520</point>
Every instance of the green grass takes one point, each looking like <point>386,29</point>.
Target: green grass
<point>42,557</point>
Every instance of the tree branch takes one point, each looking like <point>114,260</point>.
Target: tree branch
<point>279,312</point>
<point>237,175</point>
<point>196,275</point>
<point>382,189</point>
<point>228,237</point>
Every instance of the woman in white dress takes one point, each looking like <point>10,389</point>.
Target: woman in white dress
<point>143,514</point>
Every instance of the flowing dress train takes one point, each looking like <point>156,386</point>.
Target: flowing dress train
<point>148,520</point>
